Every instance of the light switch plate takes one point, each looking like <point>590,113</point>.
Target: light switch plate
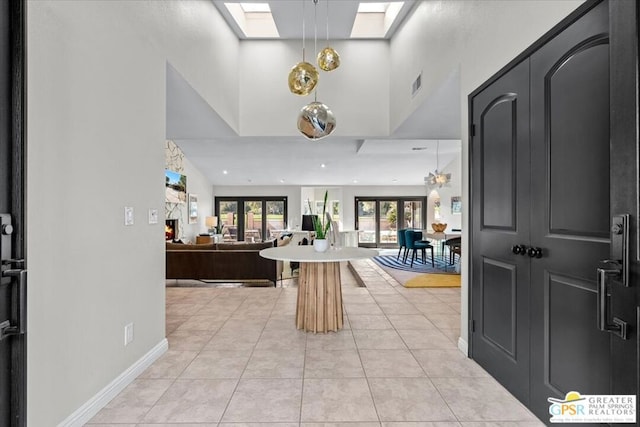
<point>128,215</point>
<point>153,216</point>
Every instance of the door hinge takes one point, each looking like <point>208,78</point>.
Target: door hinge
<point>472,325</point>
<point>472,130</point>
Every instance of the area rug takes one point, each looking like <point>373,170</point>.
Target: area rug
<point>390,261</point>
<point>434,281</point>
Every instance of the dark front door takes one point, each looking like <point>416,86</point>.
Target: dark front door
<point>570,226</point>
<point>555,172</point>
<point>500,295</point>
<point>12,277</point>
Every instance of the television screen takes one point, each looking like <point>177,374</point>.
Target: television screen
<point>307,222</point>
<point>176,187</point>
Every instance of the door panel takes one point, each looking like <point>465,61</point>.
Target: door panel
<point>570,192</point>
<point>500,190</point>
<point>574,115</point>
<point>498,178</point>
<point>564,322</point>
<point>499,326</point>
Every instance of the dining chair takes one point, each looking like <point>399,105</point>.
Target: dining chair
<point>455,247</point>
<point>401,242</point>
<point>414,243</point>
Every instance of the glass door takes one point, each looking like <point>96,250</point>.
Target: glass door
<point>412,214</point>
<point>366,222</point>
<point>388,223</point>
<point>253,221</point>
<point>275,221</point>
<point>228,214</point>
<point>378,219</point>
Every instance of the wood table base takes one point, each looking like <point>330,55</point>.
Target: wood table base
<point>319,306</point>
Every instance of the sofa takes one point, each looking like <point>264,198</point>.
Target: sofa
<point>221,261</point>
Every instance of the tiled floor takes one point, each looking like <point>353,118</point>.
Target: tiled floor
<point>235,356</point>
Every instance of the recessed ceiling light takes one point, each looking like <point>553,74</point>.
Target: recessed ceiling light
<point>355,181</point>
<point>282,180</point>
<point>323,165</point>
<point>224,172</point>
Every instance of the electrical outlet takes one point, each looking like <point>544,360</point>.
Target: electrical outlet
<point>128,334</point>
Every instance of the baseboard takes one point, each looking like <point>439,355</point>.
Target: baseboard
<point>463,346</point>
<point>87,411</point>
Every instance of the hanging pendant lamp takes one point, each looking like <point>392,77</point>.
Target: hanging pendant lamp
<point>328,58</point>
<point>303,77</point>
<point>437,179</point>
<point>316,120</point>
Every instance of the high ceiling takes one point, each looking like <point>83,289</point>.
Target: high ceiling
<point>287,15</point>
<point>403,158</point>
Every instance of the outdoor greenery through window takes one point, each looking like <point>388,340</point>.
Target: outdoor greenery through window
<point>251,219</point>
<point>378,219</point>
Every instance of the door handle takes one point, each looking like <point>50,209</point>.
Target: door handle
<point>535,252</point>
<point>620,247</point>
<point>617,327</point>
<point>519,249</point>
<point>6,329</point>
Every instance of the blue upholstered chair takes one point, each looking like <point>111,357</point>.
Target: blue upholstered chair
<point>414,243</point>
<point>401,243</point>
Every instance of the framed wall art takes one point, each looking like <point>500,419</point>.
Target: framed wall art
<point>193,208</point>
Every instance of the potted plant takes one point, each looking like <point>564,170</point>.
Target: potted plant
<point>321,227</point>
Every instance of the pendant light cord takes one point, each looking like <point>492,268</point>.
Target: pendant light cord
<point>303,28</point>
<point>327,22</point>
<point>315,40</point>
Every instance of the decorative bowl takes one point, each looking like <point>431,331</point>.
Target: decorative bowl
<point>438,228</point>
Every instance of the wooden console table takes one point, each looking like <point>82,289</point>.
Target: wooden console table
<point>319,305</point>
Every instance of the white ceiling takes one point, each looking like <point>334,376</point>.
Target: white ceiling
<point>213,147</point>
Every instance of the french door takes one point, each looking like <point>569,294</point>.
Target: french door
<point>378,219</point>
<point>251,219</point>
<point>13,276</point>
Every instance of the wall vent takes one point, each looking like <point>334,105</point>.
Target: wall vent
<point>417,83</point>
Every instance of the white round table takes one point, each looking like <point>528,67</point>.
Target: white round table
<point>319,305</point>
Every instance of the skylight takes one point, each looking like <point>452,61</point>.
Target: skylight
<point>373,7</point>
<point>255,7</point>
<point>254,19</point>
<point>373,20</point>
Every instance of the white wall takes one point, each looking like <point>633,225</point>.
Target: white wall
<point>197,184</point>
<point>479,37</point>
<point>360,107</point>
<point>96,132</point>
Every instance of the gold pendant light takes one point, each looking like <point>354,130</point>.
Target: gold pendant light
<point>303,77</point>
<point>328,58</point>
